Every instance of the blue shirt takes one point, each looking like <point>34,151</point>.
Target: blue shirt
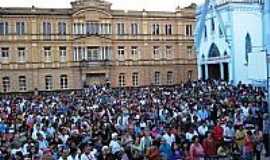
<point>202,114</point>
<point>165,150</point>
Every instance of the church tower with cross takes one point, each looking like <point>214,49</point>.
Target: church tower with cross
<point>231,40</point>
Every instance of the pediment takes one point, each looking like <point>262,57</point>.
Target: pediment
<point>92,14</point>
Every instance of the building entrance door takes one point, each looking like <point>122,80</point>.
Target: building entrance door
<point>226,71</point>
<point>95,79</point>
<point>203,72</point>
<point>214,71</point>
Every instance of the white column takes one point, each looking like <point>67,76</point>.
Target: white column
<point>199,68</point>
<point>221,71</point>
<point>206,71</point>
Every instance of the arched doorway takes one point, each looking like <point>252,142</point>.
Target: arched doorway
<point>214,69</point>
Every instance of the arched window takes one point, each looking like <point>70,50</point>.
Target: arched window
<point>248,46</point>
<point>220,31</point>
<point>212,24</point>
<point>205,32</point>
<point>213,52</point>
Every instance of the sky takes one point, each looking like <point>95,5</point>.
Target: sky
<point>162,5</point>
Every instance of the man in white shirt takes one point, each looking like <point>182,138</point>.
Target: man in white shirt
<point>170,138</point>
<point>229,132</point>
<point>203,128</point>
<point>114,145</point>
<point>87,154</point>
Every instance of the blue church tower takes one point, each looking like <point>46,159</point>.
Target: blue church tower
<point>231,40</point>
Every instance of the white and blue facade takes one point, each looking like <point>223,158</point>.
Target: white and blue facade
<point>230,40</point>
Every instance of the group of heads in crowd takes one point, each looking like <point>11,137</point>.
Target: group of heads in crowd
<point>189,121</point>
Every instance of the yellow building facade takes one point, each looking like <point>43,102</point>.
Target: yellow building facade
<point>89,43</point>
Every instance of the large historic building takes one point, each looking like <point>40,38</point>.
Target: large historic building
<point>89,43</point>
<point>233,39</point>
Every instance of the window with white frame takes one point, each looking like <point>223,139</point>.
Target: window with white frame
<point>120,28</point>
<point>122,80</point>
<point>156,52</point>
<point>189,76</point>
<point>47,54</point>
<point>47,28</point>
<point>169,78</point>
<point>105,53</point>
<point>5,52</point>
<point>121,52</point>
<point>134,52</point>
<point>155,29</point>
<point>22,83</point>
<point>63,53</point>
<point>168,51</point>
<point>20,28</point>
<point>135,79</point>
<point>105,28</point>
<point>4,28</point>
<point>157,78</point>
<point>168,29</point>
<point>78,28</point>
<point>64,81</point>
<point>134,29</point>
<point>93,53</point>
<point>79,53</point>
<point>189,30</point>
<point>189,50</point>
<point>62,28</point>
<point>21,54</point>
<point>92,28</point>
<point>6,84</point>
<point>48,82</point>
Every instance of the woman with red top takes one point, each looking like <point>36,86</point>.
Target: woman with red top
<point>196,149</point>
<point>209,145</point>
<point>218,133</point>
<point>248,146</point>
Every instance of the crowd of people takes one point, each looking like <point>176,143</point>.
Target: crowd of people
<point>192,121</point>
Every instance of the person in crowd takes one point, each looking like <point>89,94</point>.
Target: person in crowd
<point>210,145</point>
<point>240,136</point>
<point>248,146</point>
<point>165,149</point>
<point>266,134</point>
<point>177,152</point>
<point>258,140</point>
<point>153,152</point>
<point>196,149</point>
<point>223,150</point>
